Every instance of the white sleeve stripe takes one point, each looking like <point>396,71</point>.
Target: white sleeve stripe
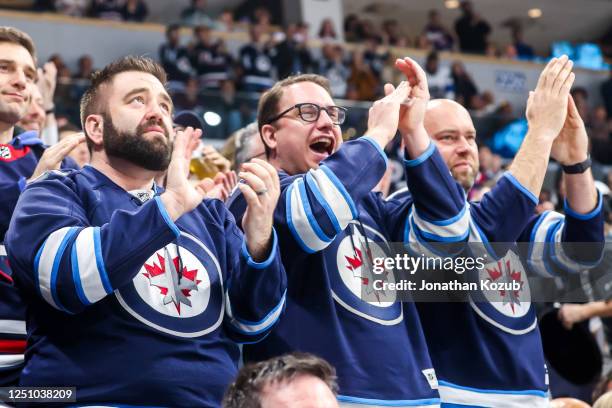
<point>46,263</point>
<point>333,197</point>
<point>298,221</point>
<point>88,274</point>
<point>536,258</point>
<point>253,328</point>
<point>457,229</point>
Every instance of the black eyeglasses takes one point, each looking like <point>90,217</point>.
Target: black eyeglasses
<point>309,112</point>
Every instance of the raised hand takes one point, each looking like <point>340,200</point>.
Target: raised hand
<point>220,187</point>
<point>181,196</point>
<point>547,105</point>
<point>261,189</point>
<point>213,156</point>
<point>572,144</point>
<point>384,114</point>
<point>53,156</point>
<point>412,113</point>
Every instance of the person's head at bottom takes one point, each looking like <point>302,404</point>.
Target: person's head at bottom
<point>295,380</point>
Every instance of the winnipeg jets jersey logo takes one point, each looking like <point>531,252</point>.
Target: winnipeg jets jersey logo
<point>502,305</point>
<point>178,290</point>
<point>5,152</point>
<point>174,282</point>
<point>352,281</point>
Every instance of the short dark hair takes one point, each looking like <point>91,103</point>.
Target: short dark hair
<point>245,391</point>
<point>90,101</point>
<point>15,36</point>
<point>268,103</point>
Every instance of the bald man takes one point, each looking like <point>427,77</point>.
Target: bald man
<point>494,356</point>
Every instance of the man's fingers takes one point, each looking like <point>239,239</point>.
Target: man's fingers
<point>554,71</point>
<point>252,180</point>
<point>572,110</point>
<point>544,74</point>
<point>261,172</point>
<point>419,74</point>
<point>271,171</point>
<point>565,72</point>
<point>388,88</point>
<point>249,195</point>
<point>567,85</point>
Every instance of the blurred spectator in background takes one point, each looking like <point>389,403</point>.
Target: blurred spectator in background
<point>439,78</point>
<point>524,51</point>
<point>291,54</point>
<point>471,30</point>
<point>107,9</point>
<point>248,145</point>
<point>374,56</point>
<point>81,153</point>
<point>290,380</point>
<point>262,18</point>
<point>188,98</point>
<point>362,79</point>
<point>174,58</point>
<point>210,59</point>
<point>84,68</point>
<point>195,15</point>
<point>391,34</point>
<point>332,66</point>
<point>606,94</point>
<point>327,30</point>
<point>134,10</point>
<point>255,60</point>
<point>436,35</point>
<point>226,22</point>
<point>73,8</point>
<point>35,116</point>
<point>463,85</point>
<point>600,135</point>
<point>351,28</point>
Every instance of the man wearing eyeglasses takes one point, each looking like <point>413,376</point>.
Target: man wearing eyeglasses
<point>329,221</point>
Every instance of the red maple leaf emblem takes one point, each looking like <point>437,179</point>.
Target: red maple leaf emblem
<point>157,275</point>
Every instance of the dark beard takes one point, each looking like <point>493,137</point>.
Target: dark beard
<point>150,154</point>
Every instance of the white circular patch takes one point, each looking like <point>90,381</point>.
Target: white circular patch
<point>511,303</point>
<point>356,278</point>
<point>173,285</point>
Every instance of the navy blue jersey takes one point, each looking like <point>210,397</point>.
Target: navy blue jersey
<point>18,159</point>
<point>129,306</point>
<point>494,356</point>
<point>323,218</point>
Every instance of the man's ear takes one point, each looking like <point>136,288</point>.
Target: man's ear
<point>94,125</point>
<point>268,135</point>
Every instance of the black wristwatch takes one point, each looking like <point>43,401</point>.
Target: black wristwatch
<point>578,168</point>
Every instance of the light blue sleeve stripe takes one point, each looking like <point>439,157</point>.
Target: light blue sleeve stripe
<point>76,277</point>
<point>317,193</point>
<point>537,393</point>
<point>424,156</point>
<point>585,217</point>
<point>290,224</point>
<point>56,264</point>
<point>166,217</point>
<point>100,261</point>
<point>388,403</point>
<point>334,179</point>
<point>36,265</point>
<point>446,222</point>
<point>309,215</point>
<point>267,316</point>
<point>521,188</point>
<point>377,146</point>
<point>264,264</point>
